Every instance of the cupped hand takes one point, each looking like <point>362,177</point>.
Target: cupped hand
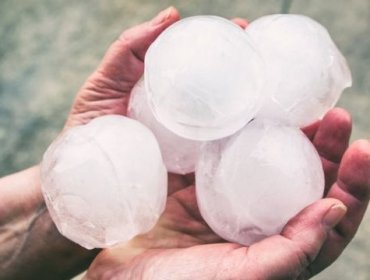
<point>182,246</point>
<point>107,90</point>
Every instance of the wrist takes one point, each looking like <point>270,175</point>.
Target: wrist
<point>30,244</point>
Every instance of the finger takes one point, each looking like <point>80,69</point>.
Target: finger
<point>128,52</point>
<point>331,140</point>
<point>278,257</point>
<point>176,182</point>
<point>311,130</point>
<point>108,89</point>
<point>353,189</point>
<point>190,178</point>
<point>189,202</point>
<point>287,255</point>
<point>241,22</point>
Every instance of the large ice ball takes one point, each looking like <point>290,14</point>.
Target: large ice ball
<point>104,182</point>
<point>306,73</point>
<point>204,78</point>
<point>180,155</point>
<point>250,185</point>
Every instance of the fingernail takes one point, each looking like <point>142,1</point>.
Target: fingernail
<point>334,215</point>
<point>162,16</point>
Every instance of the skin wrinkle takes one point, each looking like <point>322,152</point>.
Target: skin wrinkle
<point>299,260</point>
<point>96,94</point>
<point>135,54</point>
<point>307,257</point>
<point>341,228</point>
<point>23,235</point>
<point>338,235</point>
<point>332,146</point>
<point>98,82</point>
<point>192,209</point>
<point>115,72</point>
<point>331,173</point>
<point>174,239</point>
<point>303,259</point>
<point>326,157</point>
<point>96,97</point>
<point>188,211</point>
<point>37,250</point>
<point>69,260</point>
<point>220,266</point>
<point>188,227</point>
<point>149,267</point>
<point>310,271</point>
<point>358,198</point>
<point>122,50</point>
<point>101,106</point>
<point>227,271</point>
<point>300,242</point>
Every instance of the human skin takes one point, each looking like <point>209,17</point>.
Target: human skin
<point>182,246</point>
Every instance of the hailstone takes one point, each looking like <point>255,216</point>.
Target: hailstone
<point>251,184</point>
<point>94,185</point>
<point>180,155</point>
<point>306,73</point>
<point>204,76</point>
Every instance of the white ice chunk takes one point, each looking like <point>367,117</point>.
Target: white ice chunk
<point>203,78</point>
<point>306,73</point>
<point>180,155</point>
<point>249,185</point>
<point>104,182</point>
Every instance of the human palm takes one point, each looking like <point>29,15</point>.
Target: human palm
<point>182,246</point>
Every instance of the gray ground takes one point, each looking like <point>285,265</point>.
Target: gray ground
<point>48,48</point>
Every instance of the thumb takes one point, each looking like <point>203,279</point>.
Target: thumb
<point>289,255</point>
<point>285,256</point>
<point>108,89</point>
<point>129,50</point>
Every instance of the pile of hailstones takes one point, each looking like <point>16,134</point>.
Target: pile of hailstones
<point>224,102</point>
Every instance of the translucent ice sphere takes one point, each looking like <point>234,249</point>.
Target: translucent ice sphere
<point>250,185</point>
<point>203,78</point>
<point>104,182</point>
<point>306,73</point>
<point>180,155</point>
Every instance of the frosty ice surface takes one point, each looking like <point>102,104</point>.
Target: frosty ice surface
<point>180,155</point>
<point>93,183</point>
<point>203,77</point>
<point>306,73</point>
<point>251,184</point>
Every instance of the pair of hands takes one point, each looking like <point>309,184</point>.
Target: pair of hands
<point>182,246</point>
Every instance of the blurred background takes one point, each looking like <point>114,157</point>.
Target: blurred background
<point>48,48</point>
